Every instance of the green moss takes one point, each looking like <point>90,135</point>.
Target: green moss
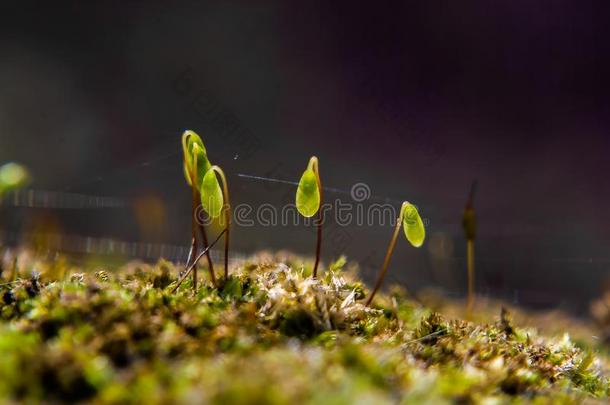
<point>268,335</point>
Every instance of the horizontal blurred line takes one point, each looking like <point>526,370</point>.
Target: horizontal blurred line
<point>331,189</point>
<point>269,179</point>
<point>292,183</point>
<point>582,260</point>
<point>59,200</point>
<point>76,244</point>
<point>112,174</point>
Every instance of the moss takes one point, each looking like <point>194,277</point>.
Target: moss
<point>270,335</point>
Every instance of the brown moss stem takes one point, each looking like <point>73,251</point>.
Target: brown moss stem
<point>313,165</point>
<point>193,251</point>
<point>204,238</point>
<point>470,264</point>
<point>196,261</point>
<point>388,255</point>
<point>194,224</point>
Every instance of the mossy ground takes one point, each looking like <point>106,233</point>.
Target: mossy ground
<point>270,334</point>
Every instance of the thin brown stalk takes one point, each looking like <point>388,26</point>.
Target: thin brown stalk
<point>194,224</point>
<point>193,251</point>
<point>388,255</point>
<point>204,238</point>
<point>196,261</point>
<point>313,163</point>
<point>470,262</point>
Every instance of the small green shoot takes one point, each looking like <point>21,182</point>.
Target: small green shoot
<point>309,200</point>
<point>13,176</point>
<point>469,223</point>
<point>196,165</point>
<point>211,194</point>
<point>214,200</point>
<point>414,230</point>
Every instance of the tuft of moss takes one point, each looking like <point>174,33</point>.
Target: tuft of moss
<point>269,334</point>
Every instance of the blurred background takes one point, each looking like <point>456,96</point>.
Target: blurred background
<point>416,99</point>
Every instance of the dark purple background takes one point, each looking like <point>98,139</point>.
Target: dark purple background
<point>416,99</point>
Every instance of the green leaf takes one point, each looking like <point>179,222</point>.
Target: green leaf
<point>211,194</point>
<point>188,141</point>
<point>338,264</point>
<point>203,164</point>
<point>193,145</point>
<point>308,194</point>
<point>193,140</point>
<point>413,226</point>
<point>13,176</point>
